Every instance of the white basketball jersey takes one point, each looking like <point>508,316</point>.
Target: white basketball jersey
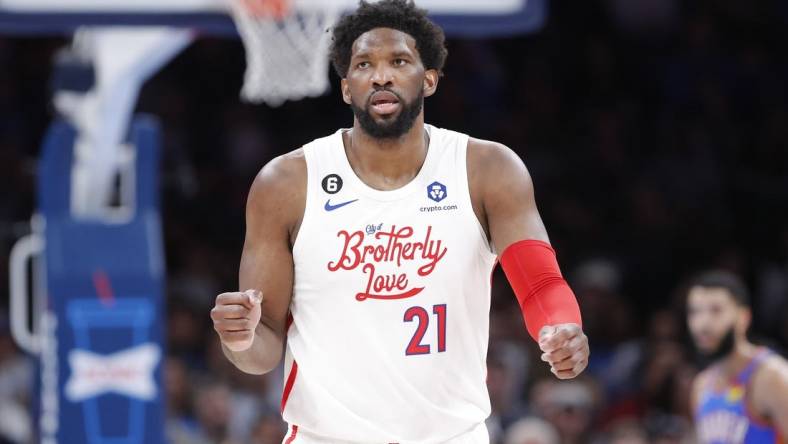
<point>390,304</point>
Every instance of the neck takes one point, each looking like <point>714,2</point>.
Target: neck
<point>735,362</point>
<point>386,164</point>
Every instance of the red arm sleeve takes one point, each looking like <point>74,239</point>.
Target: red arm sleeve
<point>545,298</point>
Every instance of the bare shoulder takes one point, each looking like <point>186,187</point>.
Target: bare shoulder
<point>701,379</point>
<point>282,171</point>
<point>489,156</point>
<point>279,189</point>
<point>774,371</point>
<point>493,164</point>
<point>502,194</point>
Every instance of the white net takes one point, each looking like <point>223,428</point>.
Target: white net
<point>286,48</point>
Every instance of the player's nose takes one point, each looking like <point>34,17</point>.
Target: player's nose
<point>382,76</point>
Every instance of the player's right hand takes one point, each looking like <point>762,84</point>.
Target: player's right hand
<point>235,317</point>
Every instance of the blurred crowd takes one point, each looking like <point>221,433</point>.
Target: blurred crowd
<point>657,136</point>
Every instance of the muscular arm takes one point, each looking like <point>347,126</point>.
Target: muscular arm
<point>273,213</point>
<point>503,199</point>
<point>503,195</point>
<point>771,393</point>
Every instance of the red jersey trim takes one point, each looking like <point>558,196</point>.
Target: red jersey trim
<point>292,436</point>
<point>289,321</point>
<point>288,388</point>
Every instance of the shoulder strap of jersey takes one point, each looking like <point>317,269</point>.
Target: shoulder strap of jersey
<point>755,362</point>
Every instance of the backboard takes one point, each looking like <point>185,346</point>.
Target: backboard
<point>126,41</point>
<point>463,18</point>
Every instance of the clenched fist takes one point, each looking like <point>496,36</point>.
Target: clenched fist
<point>235,318</point>
<point>565,348</point>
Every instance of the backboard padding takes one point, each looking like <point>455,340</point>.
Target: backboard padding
<point>467,18</point>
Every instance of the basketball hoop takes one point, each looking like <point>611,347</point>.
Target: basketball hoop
<point>286,48</point>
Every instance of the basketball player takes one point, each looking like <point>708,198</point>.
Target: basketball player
<point>743,396</point>
<point>379,241</point>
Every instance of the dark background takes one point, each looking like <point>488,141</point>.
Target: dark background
<point>656,133</point>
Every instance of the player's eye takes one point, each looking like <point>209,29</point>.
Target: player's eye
<point>400,62</point>
<point>362,65</point>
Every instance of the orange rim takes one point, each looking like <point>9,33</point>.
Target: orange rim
<point>277,9</point>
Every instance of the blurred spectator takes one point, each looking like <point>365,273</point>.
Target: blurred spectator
<point>269,429</point>
<point>531,431</point>
<point>186,326</point>
<point>669,429</point>
<point>213,408</point>
<point>507,371</point>
<point>626,431</point>
<point>570,406</point>
<point>196,281</point>
<point>15,390</point>
<point>182,426</point>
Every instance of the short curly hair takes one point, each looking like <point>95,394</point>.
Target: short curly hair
<point>402,15</point>
<point>725,280</point>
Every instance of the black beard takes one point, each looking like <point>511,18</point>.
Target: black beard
<point>725,348</point>
<point>389,130</point>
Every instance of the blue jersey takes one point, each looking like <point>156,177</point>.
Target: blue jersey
<point>723,416</point>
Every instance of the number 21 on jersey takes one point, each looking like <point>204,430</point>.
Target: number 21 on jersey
<point>419,314</point>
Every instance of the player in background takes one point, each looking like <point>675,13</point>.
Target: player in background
<point>742,396</point>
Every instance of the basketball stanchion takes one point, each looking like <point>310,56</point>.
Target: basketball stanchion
<point>98,340</point>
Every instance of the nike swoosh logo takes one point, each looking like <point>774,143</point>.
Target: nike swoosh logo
<point>330,207</point>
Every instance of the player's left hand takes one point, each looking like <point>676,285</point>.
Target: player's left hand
<point>565,348</point>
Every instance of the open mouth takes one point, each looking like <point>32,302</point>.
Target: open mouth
<point>384,102</point>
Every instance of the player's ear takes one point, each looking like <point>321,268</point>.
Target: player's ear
<point>744,319</point>
<point>431,77</point>
<point>345,91</point>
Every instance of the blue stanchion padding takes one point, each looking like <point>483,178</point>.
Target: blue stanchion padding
<point>105,288</point>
